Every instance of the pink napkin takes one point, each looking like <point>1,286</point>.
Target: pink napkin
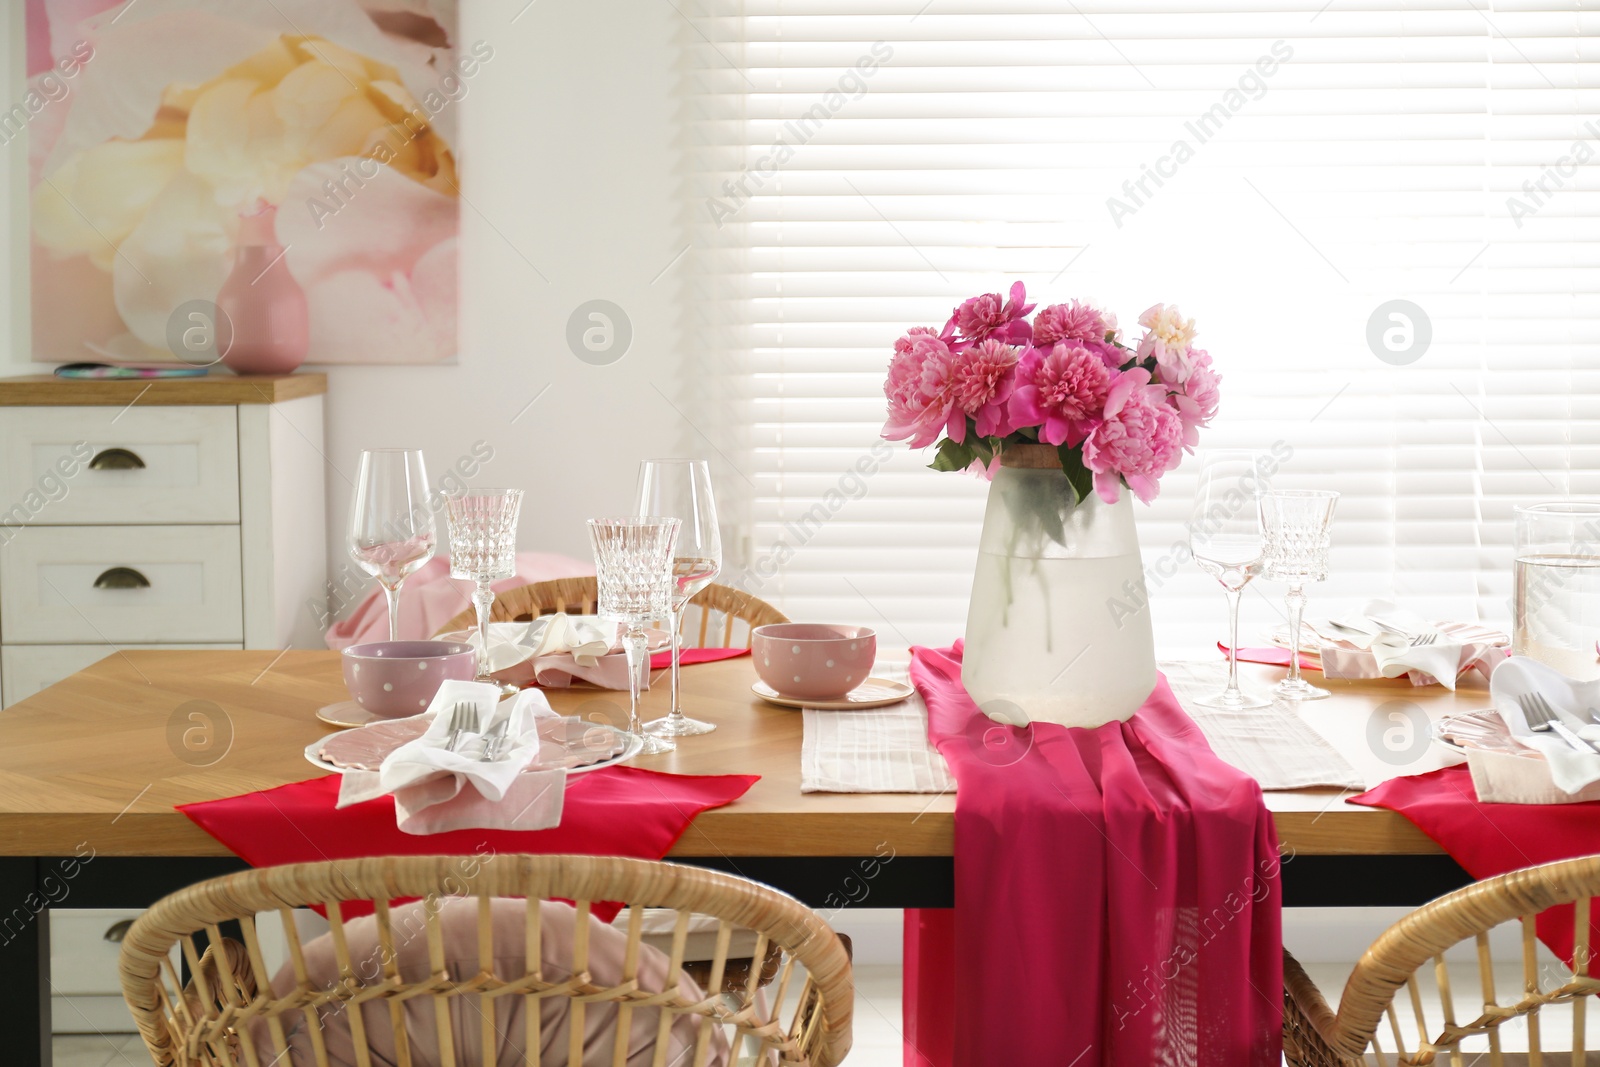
<point>1117,896</point>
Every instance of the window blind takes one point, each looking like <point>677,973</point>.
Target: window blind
<point>1382,216</point>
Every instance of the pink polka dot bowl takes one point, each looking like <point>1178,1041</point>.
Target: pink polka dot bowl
<point>397,679</point>
<point>813,661</point>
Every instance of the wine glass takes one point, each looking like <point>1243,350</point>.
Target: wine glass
<point>1296,523</point>
<point>631,557</point>
<point>1226,537</point>
<point>391,524</point>
<point>483,549</point>
<point>681,489</point>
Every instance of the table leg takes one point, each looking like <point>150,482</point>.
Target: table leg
<point>24,962</point>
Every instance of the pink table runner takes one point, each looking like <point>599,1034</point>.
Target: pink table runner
<point>1117,898</point>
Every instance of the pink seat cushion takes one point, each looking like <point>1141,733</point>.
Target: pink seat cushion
<point>459,924</point>
<point>430,598</point>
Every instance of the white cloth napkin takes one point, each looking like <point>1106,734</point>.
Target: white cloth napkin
<point>583,637</point>
<point>877,750</point>
<point>1377,642</point>
<point>1573,701</point>
<point>437,790</point>
<point>554,651</point>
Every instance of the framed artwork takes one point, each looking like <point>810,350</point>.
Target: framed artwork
<point>178,147</point>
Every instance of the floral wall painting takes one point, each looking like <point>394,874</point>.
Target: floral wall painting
<point>162,124</point>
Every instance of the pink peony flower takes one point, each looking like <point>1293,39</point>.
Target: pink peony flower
<point>1069,322</point>
<point>1140,439</point>
<point>1167,337</point>
<point>1197,399</point>
<point>977,318</point>
<point>981,380</point>
<point>1062,391</point>
<point>919,403</point>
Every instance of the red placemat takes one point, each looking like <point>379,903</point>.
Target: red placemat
<point>1272,657</point>
<point>1491,839</point>
<point>660,661</point>
<point>618,811</point>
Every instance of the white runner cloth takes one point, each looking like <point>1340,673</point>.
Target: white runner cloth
<point>880,750</point>
<point>886,750</point>
<point>1273,745</point>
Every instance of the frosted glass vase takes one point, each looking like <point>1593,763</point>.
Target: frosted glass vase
<point>1058,629</point>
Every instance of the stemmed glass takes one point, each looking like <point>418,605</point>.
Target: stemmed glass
<point>483,549</point>
<point>681,489</point>
<point>391,524</point>
<point>1226,538</point>
<point>1296,523</point>
<point>630,558</point>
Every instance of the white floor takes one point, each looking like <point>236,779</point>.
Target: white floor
<point>93,1050</point>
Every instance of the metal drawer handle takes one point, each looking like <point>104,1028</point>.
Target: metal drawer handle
<point>122,578</point>
<point>116,459</point>
<point>118,930</point>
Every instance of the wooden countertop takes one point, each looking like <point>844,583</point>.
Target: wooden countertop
<point>215,388</point>
<point>103,756</point>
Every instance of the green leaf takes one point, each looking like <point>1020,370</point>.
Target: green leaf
<point>1078,476</point>
<point>953,457</point>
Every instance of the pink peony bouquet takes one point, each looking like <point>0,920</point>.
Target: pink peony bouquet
<point>1116,415</point>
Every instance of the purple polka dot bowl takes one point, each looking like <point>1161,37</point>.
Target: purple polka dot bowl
<point>397,679</point>
<point>813,661</point>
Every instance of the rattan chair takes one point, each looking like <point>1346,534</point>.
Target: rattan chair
<point>1413,954</point>
<point>579,596</point>
<point>230,1015</point>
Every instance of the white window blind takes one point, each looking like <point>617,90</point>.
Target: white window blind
<point>1280,170</point>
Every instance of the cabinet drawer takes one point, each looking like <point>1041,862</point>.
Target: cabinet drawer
<point>99,584</point>
<point>73,465</point>
<point>26,669</point>
<point>82,960</point>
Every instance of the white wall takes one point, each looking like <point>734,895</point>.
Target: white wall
<point>569,153</point>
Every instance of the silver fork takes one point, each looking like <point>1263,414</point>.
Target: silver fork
<point>1424,639</point>
<point>462,718</point>
<point>1542,718</point>
<point>493,739</point>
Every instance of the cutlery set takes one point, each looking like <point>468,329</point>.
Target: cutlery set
<point>1542,718</point>
<point>463,719</point>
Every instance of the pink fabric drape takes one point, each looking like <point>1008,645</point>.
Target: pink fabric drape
<point>1117,896</point>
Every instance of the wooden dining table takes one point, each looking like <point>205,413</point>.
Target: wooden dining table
<point>91,770</point>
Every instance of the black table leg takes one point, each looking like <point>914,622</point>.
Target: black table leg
<point>24,962</point>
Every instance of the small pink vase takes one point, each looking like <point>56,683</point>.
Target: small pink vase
<point>265,306</point>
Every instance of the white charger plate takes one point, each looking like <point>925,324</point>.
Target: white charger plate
<point>632,744</point>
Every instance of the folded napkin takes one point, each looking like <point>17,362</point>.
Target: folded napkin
<point>437,789</point>
<point>1377,641</point>
<point>554,651</point>
<point>586,638</point>
<point>1569,770</point>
